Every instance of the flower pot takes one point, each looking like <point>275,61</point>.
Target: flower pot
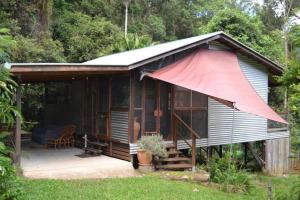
<point>144,157</point>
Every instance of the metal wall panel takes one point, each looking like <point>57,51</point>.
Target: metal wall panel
<point>119,126</point>
<point>133,146</point>
<point>222,128</point>
<point>199,143</point>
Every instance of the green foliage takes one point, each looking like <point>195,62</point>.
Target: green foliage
<point>247,30</point>
<point>10,185</point>
<point>6,44</point>
<point>154,144</point>
<point>224,171</point>
<point>131,42</point>
<point>156,27</point>
<point>291,80</point>
<point>33,50</point>
<point>151,187</point>
<point>292,193</point>
<point>8,111</point>
<point>84,37</point>
<point>32,104</point>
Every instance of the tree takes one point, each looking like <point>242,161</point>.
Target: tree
<point>44,49</point>
<point>248,30</point>
<point>291,81</point>
<point>132,42</point>
<point>84,37</point>
<point>6,45</point>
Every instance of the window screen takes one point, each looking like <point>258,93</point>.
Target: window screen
<point>57,92</point>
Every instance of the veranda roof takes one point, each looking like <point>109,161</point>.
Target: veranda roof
<point>217,74</point>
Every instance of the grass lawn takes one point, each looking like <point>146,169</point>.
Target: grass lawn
<point>146,187</point>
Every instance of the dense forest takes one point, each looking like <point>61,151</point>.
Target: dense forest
<point>80,30</point>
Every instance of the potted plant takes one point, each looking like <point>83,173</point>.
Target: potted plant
<point>149,146</point>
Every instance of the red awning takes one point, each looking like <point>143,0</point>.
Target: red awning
<point>217,74</point>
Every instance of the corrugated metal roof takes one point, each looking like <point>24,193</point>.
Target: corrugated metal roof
<point>138,57</point>
<point>131,57</point>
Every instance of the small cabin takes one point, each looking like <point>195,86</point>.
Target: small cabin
<point>115,99</point>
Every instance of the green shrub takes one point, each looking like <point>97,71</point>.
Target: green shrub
<point>225,172</point>
<point>154,144</point>
<point>10,184</point>
<point>292,193</point>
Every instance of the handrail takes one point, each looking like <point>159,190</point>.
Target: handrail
<point>187,126</point>
<point>194,136</point>
<point>186,141</point>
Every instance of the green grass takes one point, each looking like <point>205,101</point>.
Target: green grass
<point>146,187</point>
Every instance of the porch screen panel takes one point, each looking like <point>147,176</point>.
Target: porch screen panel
<point>182,98</point>
<point>191,107</point>
<point>120,92</point>
<point>138,108</point>
<point>90,107</point>
<point>182,106</point>
<point>137,91</point>
<point>103,106</point>
<point>182,131</point>
<point>137,129</point>
<point>165,118</point>
<point>199,122</point>
<point>150,101</point>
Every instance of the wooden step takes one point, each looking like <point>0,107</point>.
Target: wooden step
<point>174,152</point>
<point>174,166</point>
<point>176,159</point>
<point>170,146</point>
<point>92,150</point>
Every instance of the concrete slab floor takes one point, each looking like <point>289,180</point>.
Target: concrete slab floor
<point>37,162</point>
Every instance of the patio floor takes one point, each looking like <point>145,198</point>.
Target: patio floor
<point>37,162</point>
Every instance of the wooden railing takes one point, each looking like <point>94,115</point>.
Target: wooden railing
<point>195,135</point>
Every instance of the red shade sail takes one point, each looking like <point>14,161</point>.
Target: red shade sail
<point>217,74</point>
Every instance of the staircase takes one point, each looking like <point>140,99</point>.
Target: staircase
<point>175,160</point>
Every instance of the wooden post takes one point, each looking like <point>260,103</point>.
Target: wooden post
<point>97,110</point>
<point>143,107</point>
<point>245,153</point>
<point>193,153</point>
<point>109,115</point>
<point>220,151</point>
<point>17,160</point>
<point>131,108</point>
<point>157,85</point>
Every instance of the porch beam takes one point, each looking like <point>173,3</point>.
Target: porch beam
<point>157,84</point>
<point>17,160</point>
<point>193,153</point>
<point>109,115</point>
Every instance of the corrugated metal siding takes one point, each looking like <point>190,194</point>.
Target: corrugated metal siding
<point>247,127</point>
<point>119,126</point>
<point>199,143</point>
<point>133,146</point>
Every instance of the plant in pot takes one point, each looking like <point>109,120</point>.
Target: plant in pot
<point>149,147</point>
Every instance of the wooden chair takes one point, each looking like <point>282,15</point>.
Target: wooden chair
<point>66,138</point>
